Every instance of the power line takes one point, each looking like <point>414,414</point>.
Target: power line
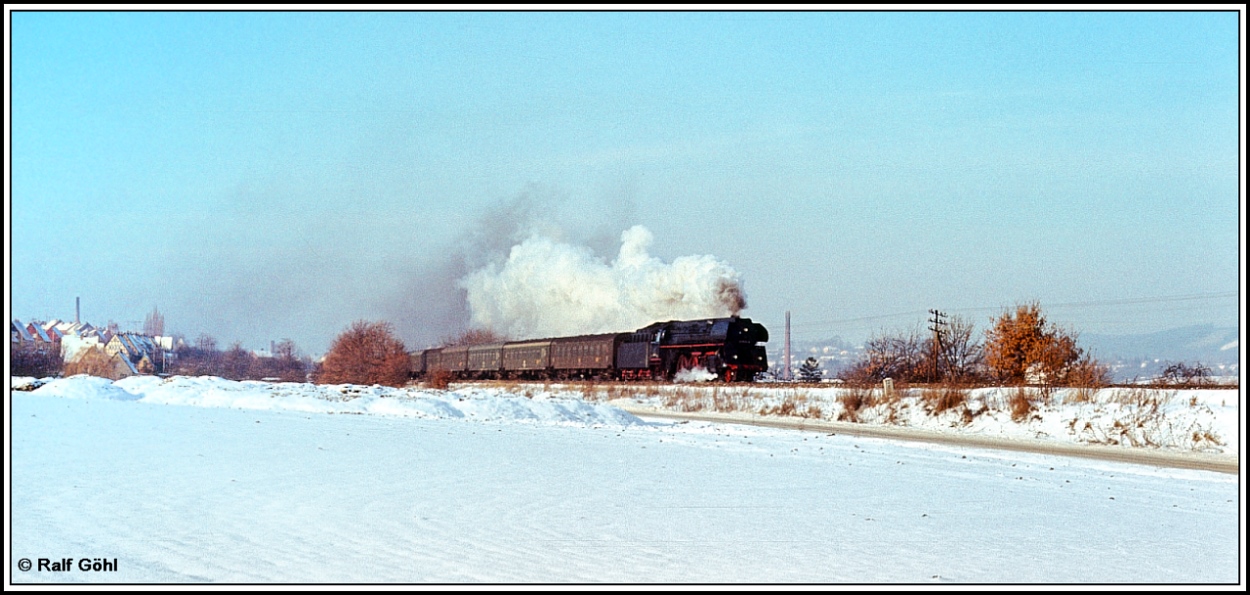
<point>1115,302</point>
<point>1126,301</point>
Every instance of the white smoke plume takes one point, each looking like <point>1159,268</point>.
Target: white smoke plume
<point>548,289</point>
<point>699,374</point>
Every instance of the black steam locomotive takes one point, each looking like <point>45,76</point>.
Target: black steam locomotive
<point>729,348</point>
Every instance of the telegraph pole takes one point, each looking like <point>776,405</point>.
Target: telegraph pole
<point>936,323</point>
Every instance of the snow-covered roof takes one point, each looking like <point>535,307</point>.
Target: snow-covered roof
<point>22,334</point>
<point>128,344</point>
<point>75,328</point>
<point>125,360</point>
<point>38,332</point>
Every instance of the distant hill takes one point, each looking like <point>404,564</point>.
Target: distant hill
<point>1208,344</point>
<point>1146,355</point>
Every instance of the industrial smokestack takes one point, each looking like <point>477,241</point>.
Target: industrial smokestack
<point>77,310</point>
<point>785,374</point>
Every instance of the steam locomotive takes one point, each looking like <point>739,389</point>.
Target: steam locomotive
<point>729,348</point>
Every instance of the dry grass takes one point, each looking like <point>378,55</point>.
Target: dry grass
<point>1080,394</point>
<point>1020,403</point>
<point>682,399</point>
<point>732,399</point>
<point>590,392</point>
<point>615,391</point>
<point>945,398</point>
<point>439,380</point>
<point>794,403</point>
<point>1144,398</point>
<point>855,398</point>
<point>1145,424</point>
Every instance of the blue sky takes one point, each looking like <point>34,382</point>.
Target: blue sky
<point>266,175</point>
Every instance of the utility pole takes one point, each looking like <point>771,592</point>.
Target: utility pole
<point>936,323</point>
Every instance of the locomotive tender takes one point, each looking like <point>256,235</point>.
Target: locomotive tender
<point>727,347</point>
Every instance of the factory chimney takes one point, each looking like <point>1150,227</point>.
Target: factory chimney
<point>785,373</point>
<point>77,310</point>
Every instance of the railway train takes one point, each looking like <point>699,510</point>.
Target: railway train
<point>730,348</point>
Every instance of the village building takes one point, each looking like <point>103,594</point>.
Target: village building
<point>18,335</point>
<point>40,339</point>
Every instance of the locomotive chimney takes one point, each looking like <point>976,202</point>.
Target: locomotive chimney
<point>785,373</point>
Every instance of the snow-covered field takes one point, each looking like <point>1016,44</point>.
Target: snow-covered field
<point>198,480</point>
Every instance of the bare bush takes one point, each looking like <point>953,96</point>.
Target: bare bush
<point>1182,374</point>
<point>200,359</point>
<point>439,379</point>
<point>901,357</point>
<point>286,365</point>
<point>37,362</point>
<point>237,363</point>
<point>910,357</point>
<point>366,353</point>
<point>1086,378</point>
<point>1088,373</point>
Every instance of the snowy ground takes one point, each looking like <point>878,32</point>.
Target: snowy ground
<point>197,480</point>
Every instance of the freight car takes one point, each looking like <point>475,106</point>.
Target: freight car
<point>729,348</point>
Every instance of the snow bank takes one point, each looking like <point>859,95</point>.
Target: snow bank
<point>84,387</point>
<point>468,403</point>
<point>25,383</point>
<point>1202,420</point>
<point>1190,420</point>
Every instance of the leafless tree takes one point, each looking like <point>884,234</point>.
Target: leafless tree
<point>902,357</point>
<point>206,343</point>
<point>285,364</point>
<point>201,359</point>
<point>963,354</point>
<point>25,360</point>
<point>1186,375</point>
<point>237,363</point>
